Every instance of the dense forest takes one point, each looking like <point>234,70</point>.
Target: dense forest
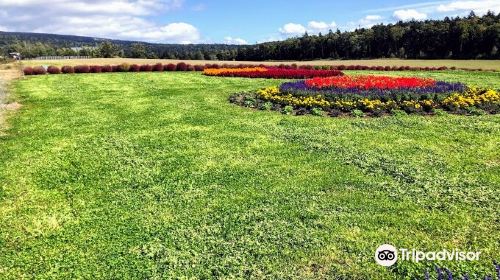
<point>471,37</point>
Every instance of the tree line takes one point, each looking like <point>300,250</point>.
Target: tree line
<point>470,37</point>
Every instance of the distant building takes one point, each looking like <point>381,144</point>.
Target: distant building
<point>15,55</point>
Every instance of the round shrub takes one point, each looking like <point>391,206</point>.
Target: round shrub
<point>146,68</point>
<point>158,67</point>
<point>212,66</point>
<point>95,69</point>
<point>190,67</point>
<point>181,66</point>
<point>68,69</point>
<point>28,71</point>
<point>134,68</point>
<point>124,67</point>
<point>82,69</point>
<point>169,67</point>
<point>199,68</point>
<point>39,70</point>
<point>114,68</point>
<point>107,69</point>
<point>53,70</point>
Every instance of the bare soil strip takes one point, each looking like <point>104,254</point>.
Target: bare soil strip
<point>8,72</point>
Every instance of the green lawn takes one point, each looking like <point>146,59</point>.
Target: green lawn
<point>157,175</point>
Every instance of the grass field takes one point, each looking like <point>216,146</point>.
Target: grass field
<point>157,175</point>
<point>470,64</point>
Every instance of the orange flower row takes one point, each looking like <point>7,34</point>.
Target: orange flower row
<point>226,71</point>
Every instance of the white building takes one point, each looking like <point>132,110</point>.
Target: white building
<point>15,55</point>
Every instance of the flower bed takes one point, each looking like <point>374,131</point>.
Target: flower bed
<point>270,73</point>
<point>372,95</point>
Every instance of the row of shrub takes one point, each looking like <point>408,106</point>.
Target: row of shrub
<point>343,67</point>
<point>39,70</point>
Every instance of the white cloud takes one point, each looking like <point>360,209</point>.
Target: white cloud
<point>369,21</point>
<point>480,7</point>
<point>272,38</point>
<point>424,5</point>
<point>179,32</point>
<point>373,17</point>
<point>314,27</point>
<point>450,7</point>
<point>115,19</point>
<point>320,26</point>
<point>366,22</point>
<point>292,29</point>
<point>234,41</point>
<point>409,14</point>
<point>3,28</point>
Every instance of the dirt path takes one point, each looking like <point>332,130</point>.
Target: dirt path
<point>8,73</point>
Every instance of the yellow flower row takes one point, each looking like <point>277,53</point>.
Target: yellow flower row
<point>273,94</point>
<point>471,97</point>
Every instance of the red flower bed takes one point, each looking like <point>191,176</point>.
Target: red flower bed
<point>370,82</point>
<point>272,73</point>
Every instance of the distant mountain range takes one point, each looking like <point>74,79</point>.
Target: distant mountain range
<point>43,44</point>
<point>7,38</point>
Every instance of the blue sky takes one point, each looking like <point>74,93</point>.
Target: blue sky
<point>218,21</point>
